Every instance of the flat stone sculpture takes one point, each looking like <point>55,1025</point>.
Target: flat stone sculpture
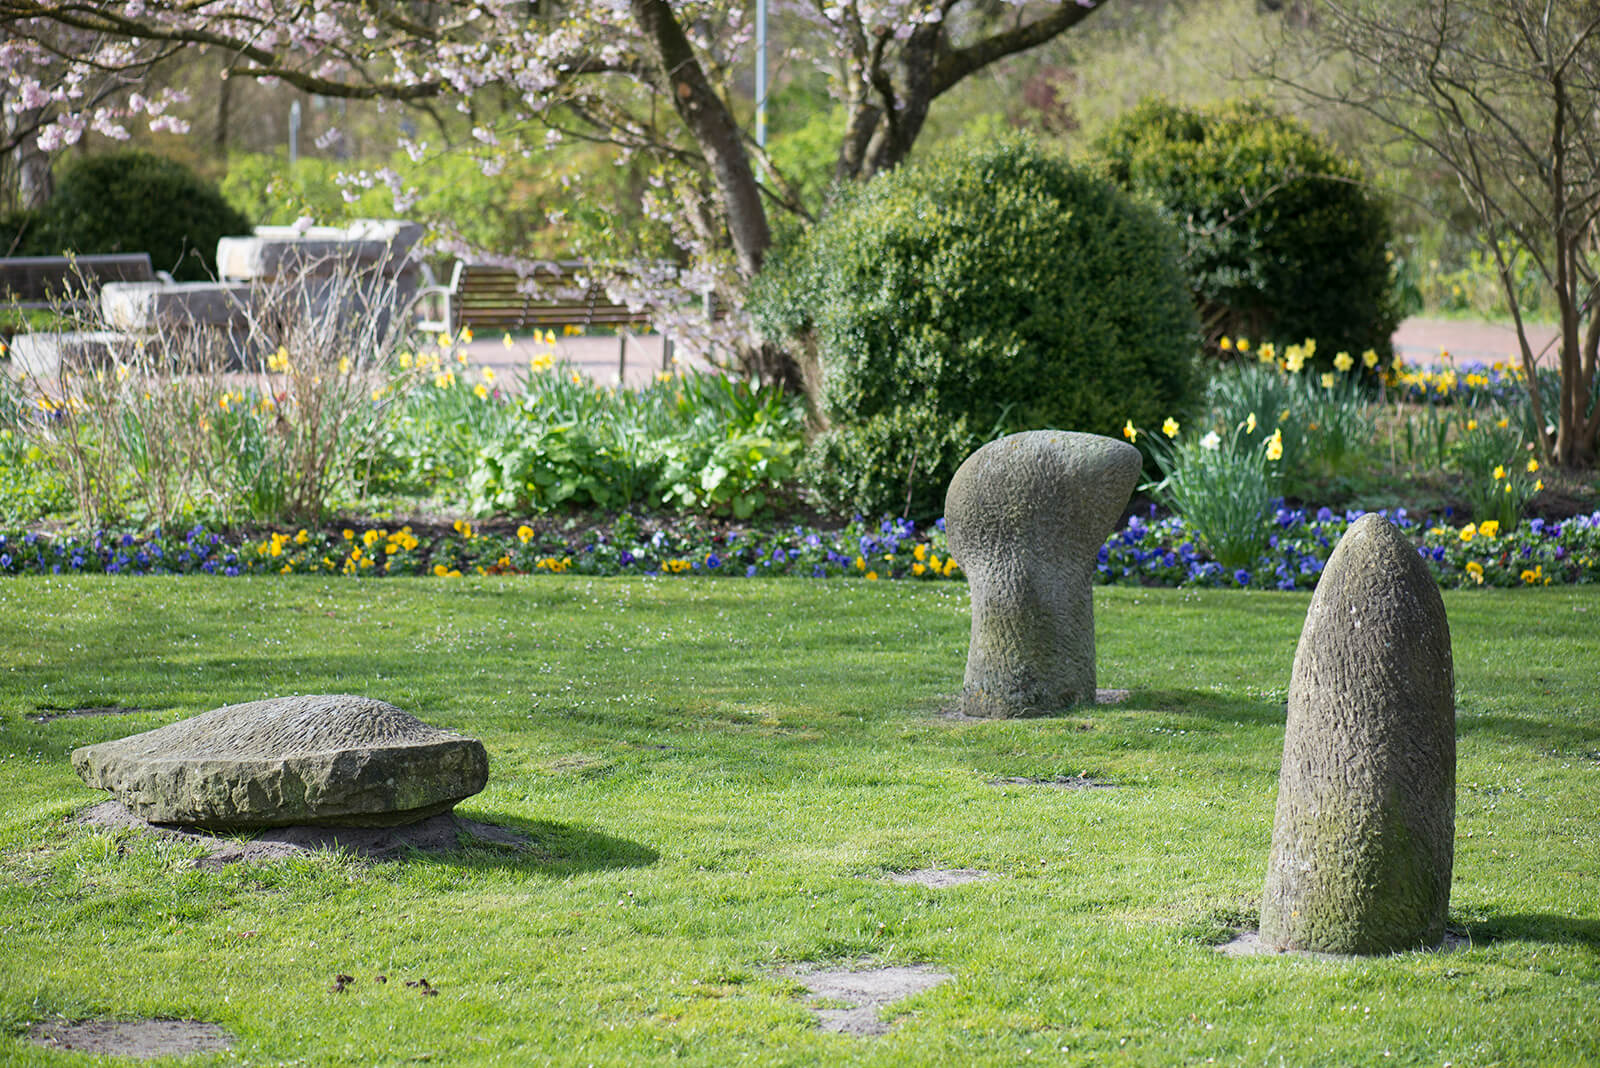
<point>325,760</point>
<point>1365,830</point>
<point>1026,515</point>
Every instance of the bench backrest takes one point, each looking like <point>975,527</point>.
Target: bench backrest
<point>41,279</point>
<point>499,298</point>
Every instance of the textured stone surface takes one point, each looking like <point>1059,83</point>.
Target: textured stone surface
<point>1365,830</point>
<point>325,760</point>
<point>1026,515</point>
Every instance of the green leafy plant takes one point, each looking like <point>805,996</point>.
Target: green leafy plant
<point>1223,484</point>
<point>984,290</point>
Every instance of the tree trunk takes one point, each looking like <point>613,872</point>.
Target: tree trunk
<point>714,130</point>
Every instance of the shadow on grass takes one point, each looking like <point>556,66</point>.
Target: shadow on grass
<point>1554,737</point>
<point>1537,927</point>
<point>1223,709</point>
<point>545,847</point>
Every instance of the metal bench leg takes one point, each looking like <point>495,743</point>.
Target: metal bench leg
<point>622,358</point>
<point>666,353</point>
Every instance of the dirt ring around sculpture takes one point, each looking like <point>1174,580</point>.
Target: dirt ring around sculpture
<point>444,833</point>
<point>1101,697</point>
<point>1249,944</point>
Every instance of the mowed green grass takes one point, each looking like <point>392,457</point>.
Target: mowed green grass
<point>718,776</point>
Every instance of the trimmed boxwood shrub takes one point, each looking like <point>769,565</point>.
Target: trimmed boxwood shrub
<point>983,291</point>
<point>139,202</point>
<point>1282,241</point>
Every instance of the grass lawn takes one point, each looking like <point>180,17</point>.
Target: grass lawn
<point>719,777</point>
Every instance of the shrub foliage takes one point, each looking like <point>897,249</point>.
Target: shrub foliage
<point>984,291</point>
<point>1282,241</point>
<point>138,202</point>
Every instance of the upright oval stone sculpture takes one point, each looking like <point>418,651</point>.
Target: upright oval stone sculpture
<point>332,760</point>
<point>1364,838</point>
<point>1026,515</point>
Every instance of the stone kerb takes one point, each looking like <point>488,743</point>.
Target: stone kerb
<point>1026,515</point>
<point>1363,840</point>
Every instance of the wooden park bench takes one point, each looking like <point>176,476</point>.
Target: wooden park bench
<point>487,298</point>
<point>69,282</point>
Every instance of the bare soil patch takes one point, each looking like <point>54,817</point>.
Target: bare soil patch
<point>138,1039</point>
<point>862,993</point>
<point>1059,782</point>
<point>443,833</point>
<point>939,878</point>
<point>45,715</point>
<point>1249,944</point>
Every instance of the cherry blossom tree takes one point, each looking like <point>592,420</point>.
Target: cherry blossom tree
<point>659,80</point>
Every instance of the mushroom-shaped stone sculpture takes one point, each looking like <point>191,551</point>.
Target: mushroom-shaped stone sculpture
<point>1365,830</point>
<point>1026,515</point>
<point>332,760</point>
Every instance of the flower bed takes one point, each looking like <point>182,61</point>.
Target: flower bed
<point>1163,552</point>
<point>1149,551</point>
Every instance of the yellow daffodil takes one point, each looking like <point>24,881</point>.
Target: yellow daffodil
<point>507,342</point>
<point>1472,424</point>
<point>1226,344</point>
<point>1533,466</point>
<point>344,365</point>
<point>443,340</point>
<point>1499,472</point>
<point>1327,380</point>
<point>1503,422</point>
<point>1275,446</point>
<point>466,335</point>
<point>1170,427</point>
<point>1250,424</point>
<point>1369,359</point>
<point>1243,344</point>
<point>1343,362</point>
<point>1129,432</point>
<point>481,391</point>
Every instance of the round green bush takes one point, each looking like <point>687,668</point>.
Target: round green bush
<point>138,202</point>
<point>980,292</point>
<point>1282,241</point>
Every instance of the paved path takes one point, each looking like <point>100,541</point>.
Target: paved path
<point>606,360</point>
<point>1421,341</point>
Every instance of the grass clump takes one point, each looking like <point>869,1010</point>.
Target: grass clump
<point>716,778</point>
